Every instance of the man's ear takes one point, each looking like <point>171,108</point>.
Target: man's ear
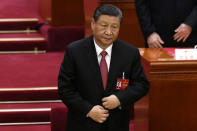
<point>92,24</point>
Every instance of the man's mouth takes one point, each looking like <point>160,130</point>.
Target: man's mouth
<point>107,38</point>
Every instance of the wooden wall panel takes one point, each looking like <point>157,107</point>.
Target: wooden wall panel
<point>45,9</point>
<point>67,12</point>
<point>89,7</point>
<point>172,104</point>
<point>62,12</point>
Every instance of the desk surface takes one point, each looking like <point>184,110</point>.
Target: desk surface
<point>162,61</point>
<point>160,54</point>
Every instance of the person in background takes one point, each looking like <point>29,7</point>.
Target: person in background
<point>101,76</point>
<point>168,23</point>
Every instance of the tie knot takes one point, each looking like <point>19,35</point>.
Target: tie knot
<point>103,53</point>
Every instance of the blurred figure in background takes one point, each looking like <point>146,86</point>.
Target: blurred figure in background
<point>168,23</point>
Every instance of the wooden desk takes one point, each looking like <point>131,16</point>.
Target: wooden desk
<point>171,104</point>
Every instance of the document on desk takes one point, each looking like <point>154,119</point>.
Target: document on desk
<point>186,54</point>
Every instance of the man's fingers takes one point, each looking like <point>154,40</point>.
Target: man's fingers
<point>160,41</point>
<point>100,107</point>
<point>155,41</point>
<point>104,104</point>
<point>177,29</point>
<point>107,105</point>
<point>185,38</point>
<point>104,111</point>
<point>157,44</point>
<point>182,32</point>
<point>105,116</point>
<point>98,113</point>
<point>102,119</point>
<point>181,36</point>
<point>152,45</point>
<point>177,35</point>
<point>178,40</point>
<point>104,99</point>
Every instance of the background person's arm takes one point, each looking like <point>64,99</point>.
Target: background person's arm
<point>144,17</point>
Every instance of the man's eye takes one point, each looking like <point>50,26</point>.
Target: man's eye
<point>104,25</point>
<point>114,27</point>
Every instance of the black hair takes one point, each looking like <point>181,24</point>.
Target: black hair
<point>107,9</point>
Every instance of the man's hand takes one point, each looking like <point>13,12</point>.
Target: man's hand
<point>110,102</point>
<point>182,32</point>
<point>98,114</point>
<point>154,41</point>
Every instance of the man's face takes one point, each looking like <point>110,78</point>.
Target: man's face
<point>105,30</point>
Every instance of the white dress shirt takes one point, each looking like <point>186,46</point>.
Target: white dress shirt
<point>107,57</point>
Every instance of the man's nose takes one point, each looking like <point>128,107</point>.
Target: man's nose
<point>108,31</point>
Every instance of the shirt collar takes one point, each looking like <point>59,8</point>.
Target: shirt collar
<point>99,49</point>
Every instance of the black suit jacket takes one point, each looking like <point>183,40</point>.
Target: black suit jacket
<point>164,16</point>
<point>80,85</point>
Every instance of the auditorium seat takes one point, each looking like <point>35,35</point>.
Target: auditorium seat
<point>60,36</point>
<point>33,117</point>
<point>58,118</point>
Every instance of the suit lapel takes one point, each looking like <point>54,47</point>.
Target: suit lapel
<point>92,60</point>
<point>114,64</point>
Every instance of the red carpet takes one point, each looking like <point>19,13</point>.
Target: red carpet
<point>29,70</point>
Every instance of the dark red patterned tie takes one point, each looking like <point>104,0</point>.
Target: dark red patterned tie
<point>103,68</point>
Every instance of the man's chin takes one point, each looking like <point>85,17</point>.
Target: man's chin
<point>108,42</point>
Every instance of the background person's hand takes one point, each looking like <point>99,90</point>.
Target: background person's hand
<point>182,32</point>
<point>111,102</point>
<point>154,40</point>
<point>98,114</point>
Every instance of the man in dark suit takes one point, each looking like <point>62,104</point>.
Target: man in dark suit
<point>100,77</point>
<point>168,23</point>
